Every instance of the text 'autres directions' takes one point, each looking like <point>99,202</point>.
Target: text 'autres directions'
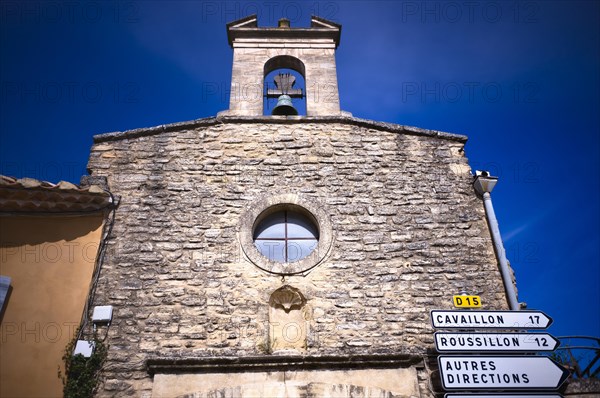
<point>500,373</point>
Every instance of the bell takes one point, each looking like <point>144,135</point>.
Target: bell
<point>284,106</point>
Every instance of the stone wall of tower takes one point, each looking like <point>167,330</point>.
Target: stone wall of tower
<point>408,232</point>
<point>259,51</point>
<point>247,78</point>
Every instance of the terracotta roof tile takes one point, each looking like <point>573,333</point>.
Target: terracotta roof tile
<point>31,195</point>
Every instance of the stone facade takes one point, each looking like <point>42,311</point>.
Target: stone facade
<point>204,308</point>
<point>407,232</point>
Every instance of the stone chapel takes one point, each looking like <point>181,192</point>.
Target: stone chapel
<point>285,248</point>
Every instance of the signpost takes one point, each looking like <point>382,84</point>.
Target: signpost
<point>500,373</point>
<point>497,342</point>
<point>466,319</point>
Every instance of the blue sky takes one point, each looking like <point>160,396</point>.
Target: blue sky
<point>521,79</point>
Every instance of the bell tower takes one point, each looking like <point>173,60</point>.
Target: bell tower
<point>309,52</point>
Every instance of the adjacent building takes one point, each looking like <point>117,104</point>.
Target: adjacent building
<point>50,237</point>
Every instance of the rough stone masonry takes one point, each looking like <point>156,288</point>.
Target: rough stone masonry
<point>408,233</point>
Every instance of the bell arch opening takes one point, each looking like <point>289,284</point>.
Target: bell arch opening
<point>284,86</point>
<point>284,62</point>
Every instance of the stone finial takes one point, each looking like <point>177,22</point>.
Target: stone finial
<point>284,23</point>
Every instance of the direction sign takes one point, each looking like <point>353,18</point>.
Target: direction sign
<point>466,319</point>
<point>500,373</point>
<point>498,342</point>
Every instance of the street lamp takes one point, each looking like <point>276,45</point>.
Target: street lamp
<point>484,184</point>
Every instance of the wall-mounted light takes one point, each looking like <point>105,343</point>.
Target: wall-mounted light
<point>484,184</point>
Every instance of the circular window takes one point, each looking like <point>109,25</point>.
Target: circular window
<point>285,234</point>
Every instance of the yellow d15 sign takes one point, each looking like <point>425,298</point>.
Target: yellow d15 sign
<point>467,301</point>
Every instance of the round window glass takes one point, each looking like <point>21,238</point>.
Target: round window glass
<point>286,236</point>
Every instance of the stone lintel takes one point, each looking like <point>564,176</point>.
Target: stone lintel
<point>274,40</point>
<point>251,44</point>
<point>225,118</point>
<point>267,363</point>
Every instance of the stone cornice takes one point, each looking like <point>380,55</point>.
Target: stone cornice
<point>278,33</point>
<point>246,28</point>
<point>225,119</point>
<point>267,363</point>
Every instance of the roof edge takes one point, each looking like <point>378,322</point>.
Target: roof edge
<point>29,195</point>
<point>211,121</point>
<point>316,20</point>
<point>249,21</point>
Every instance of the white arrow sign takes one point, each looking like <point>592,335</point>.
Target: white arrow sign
<point>490,319</point>
<point>500,373</point>
<point>498,342</point>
